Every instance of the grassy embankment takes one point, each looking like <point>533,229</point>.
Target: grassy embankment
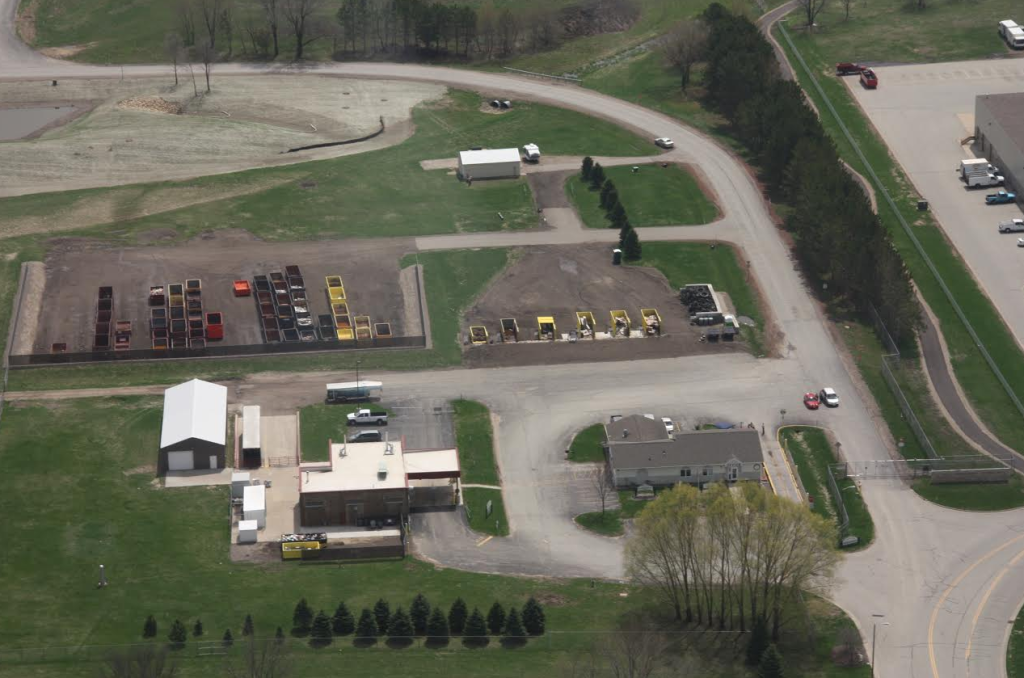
<point>475,440</point>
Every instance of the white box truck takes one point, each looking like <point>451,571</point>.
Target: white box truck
<point>1011,33</point>
<point>975,166</point>
<point>982,180</point>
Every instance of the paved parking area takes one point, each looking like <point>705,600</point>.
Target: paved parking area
<point>425,423</point>
<point>923,112</point>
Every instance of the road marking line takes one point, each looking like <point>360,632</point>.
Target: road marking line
<point>949,590</point>
<point>484,541</point>
<point>984,601</point>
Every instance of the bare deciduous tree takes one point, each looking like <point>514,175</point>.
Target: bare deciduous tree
<point>602,482</point>
<point>186,22</point>
<point>192,72</point>
<point>145,661</point>
<point>263,658</point>
<point>846,9</point>
<point>227,27</point>
<point>210,10</point>
<point>508,26</point>
<point>812,8</point>
<point>299,14</point>
<point>208,55</point>
<point>685,46</point>
<point>271,10</point>
<point>636,650</point>
<point>174,51</point>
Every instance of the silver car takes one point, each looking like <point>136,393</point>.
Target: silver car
<point>664,142</point>
<point>1012,226</point>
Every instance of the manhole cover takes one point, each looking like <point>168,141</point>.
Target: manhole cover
<point>744,320</point>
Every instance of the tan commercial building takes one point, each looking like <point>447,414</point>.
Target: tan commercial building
<point>999,135</point>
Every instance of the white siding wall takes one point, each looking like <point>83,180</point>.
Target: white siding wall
<point>671,475</point>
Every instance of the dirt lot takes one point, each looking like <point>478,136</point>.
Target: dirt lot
<point>559,281</point>
<point>75,270</point>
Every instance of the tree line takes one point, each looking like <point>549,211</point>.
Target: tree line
<point>735,560</point>
<point>843,248</point>
<point>629,241</point>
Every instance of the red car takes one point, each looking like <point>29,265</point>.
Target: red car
<point>847,68</point>
<point>811,401</point>
<point>868,79</point>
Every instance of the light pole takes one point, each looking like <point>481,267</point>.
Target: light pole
<point>358,361</point>
<point>874,631</point>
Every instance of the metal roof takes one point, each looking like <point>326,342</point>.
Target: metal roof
<point>489,156</point>
<point>195,409</point>
<point>251,427</point>
<point>639,429</point>
<point>356,466</point>
<point>1008,112</point>
<point>688,449</point>
<point>431,464</point>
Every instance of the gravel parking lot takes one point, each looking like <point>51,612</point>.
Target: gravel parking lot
<point>923,112</point>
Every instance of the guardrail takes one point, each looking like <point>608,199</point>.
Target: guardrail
<point>565,78</point>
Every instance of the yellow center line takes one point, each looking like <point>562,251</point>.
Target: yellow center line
<point>949,590</point>
<point>984,601</point>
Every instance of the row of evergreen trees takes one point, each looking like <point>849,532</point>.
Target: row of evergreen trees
<point>841,244</point>
<point>178,635</point>
<point>629,241</point>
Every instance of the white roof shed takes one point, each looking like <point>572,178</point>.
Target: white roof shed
<point>488,156</point>
<point>195,409</point>
<point>493,163</point>
<point>251,427</point>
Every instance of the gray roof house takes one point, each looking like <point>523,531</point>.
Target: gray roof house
<point>699,457</point>
<point>636,428</point>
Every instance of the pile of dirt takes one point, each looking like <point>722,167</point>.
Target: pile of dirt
<point>151,104</point>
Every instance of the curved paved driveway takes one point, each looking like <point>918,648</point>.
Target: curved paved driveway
<point>946,581</point>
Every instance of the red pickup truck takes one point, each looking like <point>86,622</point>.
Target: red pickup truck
<point>847,68</point>
<point>868,79</point>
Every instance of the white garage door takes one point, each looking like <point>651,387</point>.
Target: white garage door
<point>180,461</point>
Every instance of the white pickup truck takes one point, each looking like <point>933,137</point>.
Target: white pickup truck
<point>365,416</point>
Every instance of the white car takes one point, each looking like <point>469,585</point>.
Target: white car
<point>828,397</point>
<point>1020,242</point>
<point>664,142</point>
<point>1012,226</point>
<point>669,426</point>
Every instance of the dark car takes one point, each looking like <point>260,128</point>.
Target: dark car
<point>868,79</point>
<point>366,437</point>
<point>847,68</point>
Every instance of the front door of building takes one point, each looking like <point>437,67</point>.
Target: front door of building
<point>353,514</point>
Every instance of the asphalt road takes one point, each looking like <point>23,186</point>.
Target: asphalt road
<point>945,581</point>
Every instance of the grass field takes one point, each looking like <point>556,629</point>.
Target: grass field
<point>475,440</point>
<point>974,497</point>
<point>608,523</point>
<point>812,454</point>
<point>320,423</point>
<point>654,196</point>
<point>476,499</point>
<point>973,374</point>
<point>1015,651</point>
<point>685,263</point>
<point>586,445</point>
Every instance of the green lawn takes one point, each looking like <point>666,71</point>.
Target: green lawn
<point>587,444</point>
<point>608,523</point>
<point>320,423</point>
<point>977,380</point>
<point>475,440</point>
<point>686,263</point>
<point>1015,651</point>
<point>974,497</point>
<point>476,499</point>
<point>654,196</point>
<point>812,453</point>
<point>453,278</point>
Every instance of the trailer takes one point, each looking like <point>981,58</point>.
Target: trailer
<point>509,330</point>
<point>354,390</point>
<point>585,324</point>
<point>651,320</point>
<point>478,334</point>
<point>546,328</point>
<point>620,324</point>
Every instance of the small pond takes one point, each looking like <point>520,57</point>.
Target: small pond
<point>16,123</point>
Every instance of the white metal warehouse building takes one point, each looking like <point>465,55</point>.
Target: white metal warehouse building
<point>194,429</point>
<point>495,163</point>
<point>999,134</point>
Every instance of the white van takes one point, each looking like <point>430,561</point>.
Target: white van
<point>1015,37</point>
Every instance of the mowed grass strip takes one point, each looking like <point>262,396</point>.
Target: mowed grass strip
<point>476,499</point>
<point>974,496</point>
<point>653,196</point>
<point>608,524</point>
<point>812,454</point>
<point>587,445</point>
<point>475,440</point>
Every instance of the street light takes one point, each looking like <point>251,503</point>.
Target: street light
<point>358,361</point>
<point>874,631</point>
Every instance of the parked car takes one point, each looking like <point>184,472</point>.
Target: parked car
<point>670,427</point>
<point>828,396</point>
<point>847,68</point>
<point>366,437</point>
<point>868,79</point>
<point>664,142</point>
<point>1000,198</point>
<point>811,401</point>
<point>1020,242</point>
<point>1012,226</point>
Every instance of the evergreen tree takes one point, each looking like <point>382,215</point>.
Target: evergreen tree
<point>437,628</point>
<point>382,614</point>
<point>400,631</point>
<point>228,640</point>
<point>247,626</point>
<point>770,665</point>
<point>475,633</point>
<point>302,618</point>
<point>607,191</point>
<point>321,634</point>
<point>617,216</point>
<point>631,248</point>
<point>533,617</point>
<point>758,642</point>
<point>596,176</point>
<point>496,619</point>
<point>513,630</point>
<point>588,165</point>
<point>626,229</point>
<point>457,617</point>
<point>177,635</point>
<point>343,623</point>
<point>419,612</point>
<point>367,626</point>
<point>279,635</point>
<point>197,630</point>
<point>149,627</point>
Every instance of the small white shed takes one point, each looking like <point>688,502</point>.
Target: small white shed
<point>254,504</point>
<point>247,531</point>
<point>251,427</point>
<point>494,163</point>
<point>239,481</point>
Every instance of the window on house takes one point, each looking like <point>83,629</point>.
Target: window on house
<point>686,473</point>
<point>706,471</point>
<point>314,503</point>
